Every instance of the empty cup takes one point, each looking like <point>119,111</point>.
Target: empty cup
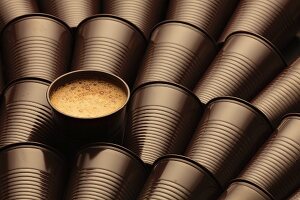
<point>228,135</point>
<point>277,21</point>
<point>144,14</point>
<point>106,171</point>
<point>282,95</point>
<point>10,10</point>
<point>70,11</point>
<point>31,171</point>
<point>178,53</point>
<point>242,68</point>
<point>109,44</point>
<point>36,46</point>
<point>275,169</point>
<point>25,115</point>
<point>209,16</point>
<point>177,178</point>
<point>161,119</point>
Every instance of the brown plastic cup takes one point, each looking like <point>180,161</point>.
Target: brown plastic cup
<point>178,53</point>
<point>282,95</point>
<point>209,16</point>
<point>295,196</point>
<point>275,169</point>
<point>144,14</point>
<point>12,9</point>
<point>229,133</point>
<point>25,115</point>
<point>36,46</point>
<point>161,119</point>
<point>242,68</point>
<point>70,11</point>
<point>2,84</point>
<point>89,129</point>
<point>109,44</point>
<point>106,171</point>
<point>177,177</point>
<point>31,171</point>
<point>277,21</point>
<point>245,191</point>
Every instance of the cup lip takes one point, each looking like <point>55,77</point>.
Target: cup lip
<point>175,85</point>
<point>107,16</point>
<point>36,145</point>
<point>38,15</point>
<point>290,115</point>
<point>244,102</point>
<point>213,41</point>
<point>189,161</point>
<point>82,72</point>
<point>262,39</point>
<point>115,147</point>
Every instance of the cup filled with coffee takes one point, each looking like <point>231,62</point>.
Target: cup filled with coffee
<point>89,105</point>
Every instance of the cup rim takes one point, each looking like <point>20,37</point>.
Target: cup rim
<point>246,103</point>
<point>70,74</point>
<point>107,16</point>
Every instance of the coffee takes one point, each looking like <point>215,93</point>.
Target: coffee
<point>88,98</point>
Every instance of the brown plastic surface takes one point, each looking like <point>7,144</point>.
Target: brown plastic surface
<point>276,20</point>
<point>109,44</point>
<point>10,9</point>
<point>243,191</point>
<point>90,129</point>
<point>177,178</point>
<point>275,168</point>
<point>71,11</point>
<point>161,119</point>
<point>295,196</point>
<point>282,95</point>
<point>25,115</point>
<point>106,171</point>
<point>31,171</point>
<point>229,133</point>
<point>242,68</point>
<point>178,53</point>
<point>36,46</point>
<point>144,14</point>
<point>210,16</point>
<point>2,84</point>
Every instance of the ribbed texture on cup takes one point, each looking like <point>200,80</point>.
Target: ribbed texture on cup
<point>172,57</point>
<point>295,196</point>
<point>275,168</point>
<point>11,9</point>
<point>70,11</point>
<point>210,16</point>
<point>282,95</point>
<point>275,20</point>
<point>144,14</point>
<point>227,136</point>
<point>242,68</point>
<point>27,183</point>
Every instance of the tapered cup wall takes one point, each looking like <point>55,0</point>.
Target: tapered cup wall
<point>209,16</point>
<point>245,191</point>
<point>106,171</point>
<point>161,120</point>
<point>10,10</point>
<point>176,177</point>
<point>36,46</point>
<point>277,21</point>
<point>275,168</point>
<point>281,96</point>
<point>2,84</point>
<point>108,44</point>
<point>25,115</point>
<point>144,14</point>
<point>177,53</point>
<point>70,11</point>
<point>31,171</point>
<point>295,196</point>
<point>228,134</point>
<point>242,68</point>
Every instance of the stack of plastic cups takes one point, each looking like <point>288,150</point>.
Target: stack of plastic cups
<point>273,172</point>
